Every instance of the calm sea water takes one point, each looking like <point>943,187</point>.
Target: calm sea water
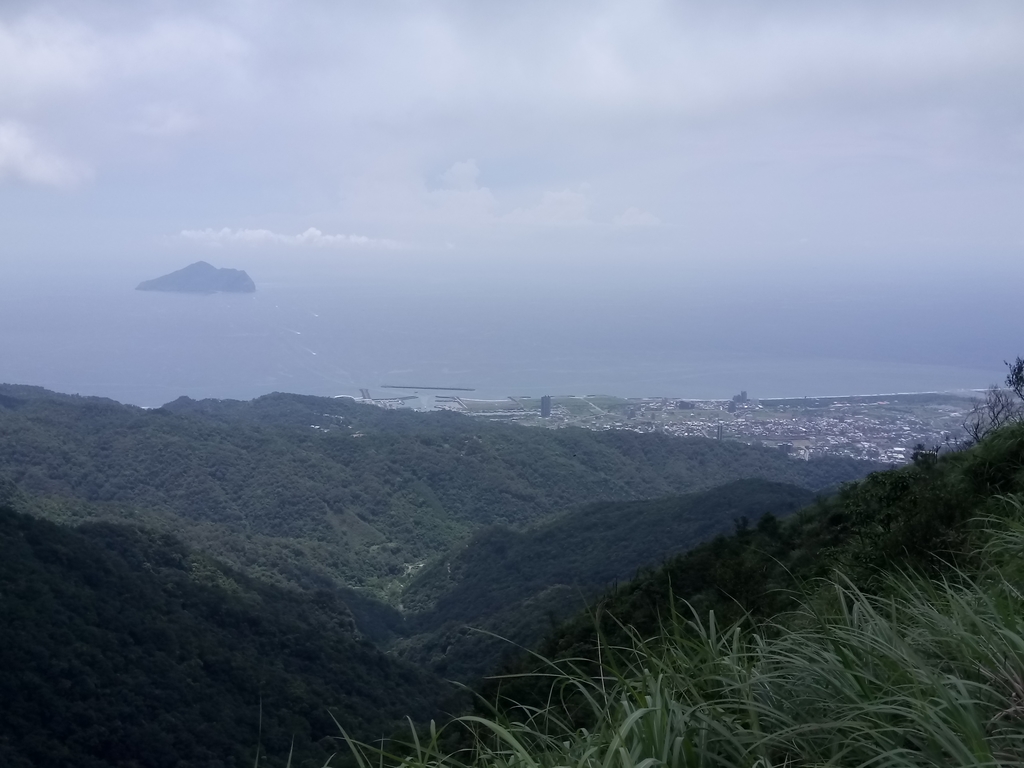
<point>331,338</point>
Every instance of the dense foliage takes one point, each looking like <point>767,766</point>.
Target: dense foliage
<point>926,674</point>
<point>122,645</point>
<point>516,585</point>
<point>121,648</point>
<point>319,491</point>
<point>907,651</point>
<point>915,517</point>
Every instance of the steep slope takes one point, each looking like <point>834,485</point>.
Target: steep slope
<point>918,668</point>
<point>318,491</point>
<point>917,517</point>
<point>122,648</point>
<point>516,584</point>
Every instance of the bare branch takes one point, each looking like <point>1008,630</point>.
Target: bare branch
<point>1000,407</point>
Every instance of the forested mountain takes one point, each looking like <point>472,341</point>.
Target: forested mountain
<point>124,648</point>
<point>881,626</point>
<point>921,517</point>
<point>318,492</point>
<point>516,585</point>
<point>218,544</point>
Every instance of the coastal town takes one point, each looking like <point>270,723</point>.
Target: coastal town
<point>881,428</point>
<point>884,428</point>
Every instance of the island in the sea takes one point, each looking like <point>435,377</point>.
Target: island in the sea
<point>201,278</point>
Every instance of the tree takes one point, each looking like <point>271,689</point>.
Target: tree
<point>1015,378</point>
<point>1001,406</point>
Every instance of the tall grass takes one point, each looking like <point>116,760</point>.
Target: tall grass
<point>932,674</point>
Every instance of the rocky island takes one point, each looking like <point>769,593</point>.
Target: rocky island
<point>201,278</point>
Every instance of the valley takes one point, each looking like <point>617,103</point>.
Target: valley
<point>420,547</point>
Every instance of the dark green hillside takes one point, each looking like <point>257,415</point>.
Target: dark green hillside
<point>122,648</point>
<point>917,517</point>
<point>598,544</point>
<point>516,584</point>
<point>907,653</point>
<point>319,491</point>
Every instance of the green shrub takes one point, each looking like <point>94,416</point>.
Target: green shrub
<point>927,672</point>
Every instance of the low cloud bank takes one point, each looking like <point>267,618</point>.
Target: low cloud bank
<point>312,237</point>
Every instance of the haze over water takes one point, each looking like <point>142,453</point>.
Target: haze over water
<point>318,337</point>
<point>646,198</point>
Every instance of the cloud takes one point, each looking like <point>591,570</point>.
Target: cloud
<point>43,57</point>
<point>312,237</point>
<point>555,208</point>
<point>462,175</point>
<point>164,121</point>
<point>22,157</point>
<point>46,56</point>
<point>787,115</point>
<point>460,200</point>
<point>651,57</point>
<point>634,217</point>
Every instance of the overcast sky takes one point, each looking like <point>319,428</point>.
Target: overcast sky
<point>830,145</point>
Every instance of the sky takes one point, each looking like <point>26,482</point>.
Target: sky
<point>851,165</point>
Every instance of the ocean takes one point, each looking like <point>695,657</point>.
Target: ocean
<point>335,337</point>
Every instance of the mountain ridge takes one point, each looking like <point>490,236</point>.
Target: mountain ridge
<point>359,498</point>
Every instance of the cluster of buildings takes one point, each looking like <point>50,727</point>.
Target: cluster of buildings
<point>881,428</point>
<point>885,428</point>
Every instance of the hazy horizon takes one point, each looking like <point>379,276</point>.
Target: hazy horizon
<point>101,337</point>
<point>701,197</point>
